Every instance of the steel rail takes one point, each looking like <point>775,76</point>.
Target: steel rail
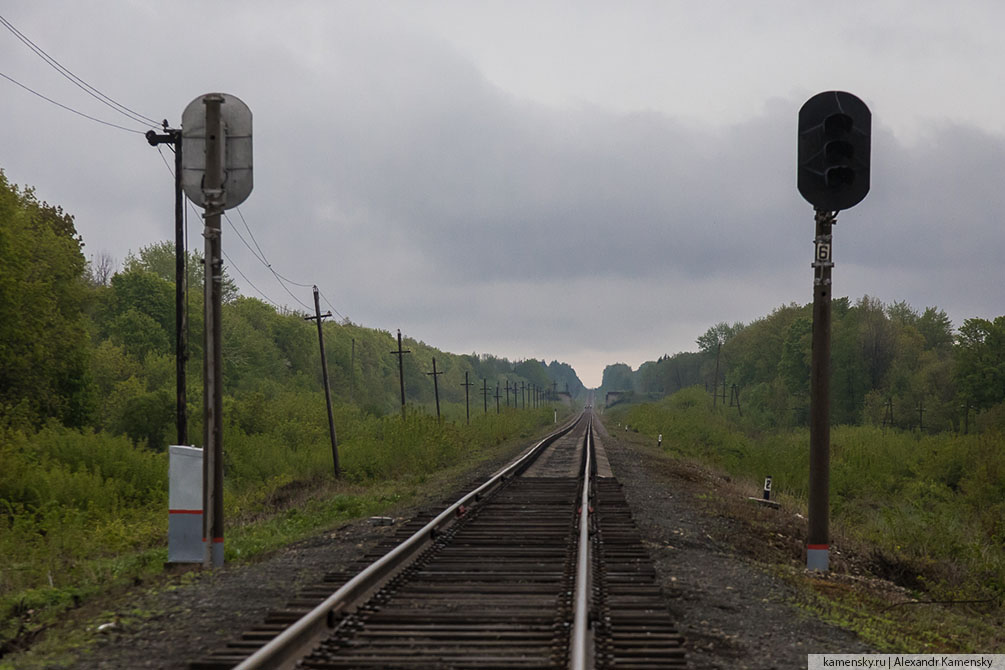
<point>580,645</point>
<point>289,645</point>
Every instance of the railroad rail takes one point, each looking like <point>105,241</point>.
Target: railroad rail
<point>539,567</point>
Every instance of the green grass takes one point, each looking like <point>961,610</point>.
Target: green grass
<point>85,512</point>
<point>931,508</point>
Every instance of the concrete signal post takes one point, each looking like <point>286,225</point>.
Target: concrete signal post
<point>833,174</point>
<point>216,175</point>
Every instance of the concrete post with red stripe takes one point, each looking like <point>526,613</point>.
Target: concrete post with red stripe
<point>185,540</point>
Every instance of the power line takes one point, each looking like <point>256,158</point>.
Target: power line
<point>259,256</point>
<point>77,81</point>
<point>245,277</point>
<point>69,109</point>
<point>332,307</point>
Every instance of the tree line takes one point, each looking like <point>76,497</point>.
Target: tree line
<point>891,365</point>
<point>92,346</point>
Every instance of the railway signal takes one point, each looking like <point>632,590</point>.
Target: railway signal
<point>833,174</point>
<point>214,168</point>
<point>834,150</point>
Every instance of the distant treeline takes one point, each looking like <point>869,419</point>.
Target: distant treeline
<point>90,345</point>
<point>890,365</point>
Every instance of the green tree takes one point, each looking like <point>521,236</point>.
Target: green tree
<point>159,258</point>
<point>980,361</point>
<point>43,333</point>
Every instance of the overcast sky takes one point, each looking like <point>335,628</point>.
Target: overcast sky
<point>593,182</point>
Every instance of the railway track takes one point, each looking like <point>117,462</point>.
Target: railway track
<point>539,567</point>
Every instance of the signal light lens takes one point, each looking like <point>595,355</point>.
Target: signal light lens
<point>838,177</point>
<point>839,150</point>
<point>838,123</point>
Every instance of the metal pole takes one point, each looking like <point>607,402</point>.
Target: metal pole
<point>213,360</point>
<point>173,137</point>
<point>180,291</point>
<point>324,375</point>
<point>818,540</point>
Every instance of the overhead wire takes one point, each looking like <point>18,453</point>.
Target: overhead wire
<point>69,109</point>
<point>229,260</point>
<point>77,81</point>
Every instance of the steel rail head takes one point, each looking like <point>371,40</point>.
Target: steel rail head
<point>286,647</point>
<point>580,651</point>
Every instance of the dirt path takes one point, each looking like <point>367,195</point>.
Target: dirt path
<point>732,612</point>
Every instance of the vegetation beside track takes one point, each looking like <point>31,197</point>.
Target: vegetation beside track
<point>91,515</point>
<point>922,511</point>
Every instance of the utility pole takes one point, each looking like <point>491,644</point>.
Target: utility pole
<point>715,383</point>
<point>554,391</point>
<point>213,360</point>
<point>436,388</point>
<point>172,136</point>
<point>921,415</point>
<point>523,397</point>
<point>485,394</point>
<point>401,371</point>
<point>498,395</point>
<point>318,316</point>
<point>467,404</point>
<point>352,369</point>
<point>507,393</point>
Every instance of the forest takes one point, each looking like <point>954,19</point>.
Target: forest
<point>88,407</point>
<point>891,365</point>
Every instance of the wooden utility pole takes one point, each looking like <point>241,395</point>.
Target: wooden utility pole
<point>318,316</point>
<point>401,371</point>
<point>467,404</point>
<point>715,382</point>
<point>436,388</point>
<point>352,369</point>
<point>498,395</point>
<point>485,394</point>
<point>523,396</point>
<point>213,336</point>
<point>507,393</point>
